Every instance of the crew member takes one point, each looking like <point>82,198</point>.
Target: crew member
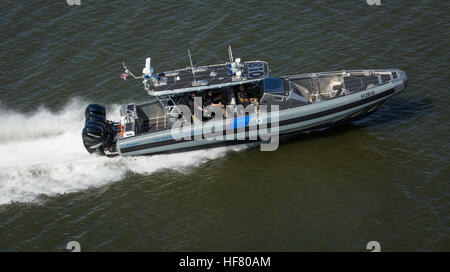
<point>189,101</point>
<point>242,96</point>
<point>212,101</point>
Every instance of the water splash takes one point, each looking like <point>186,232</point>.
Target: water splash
<point>42,154</point>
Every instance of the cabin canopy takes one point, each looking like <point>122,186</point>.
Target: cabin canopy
<point>274,86</point>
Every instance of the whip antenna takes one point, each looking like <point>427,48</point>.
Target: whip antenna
<point>230,53</point>
<point>192,66</point>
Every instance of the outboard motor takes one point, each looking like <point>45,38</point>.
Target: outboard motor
<point>93,138</point>
<point>96,117</point>
<point>98,133</point>
<point>95,109</point>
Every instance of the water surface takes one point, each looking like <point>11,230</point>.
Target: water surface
<point>383,178</point>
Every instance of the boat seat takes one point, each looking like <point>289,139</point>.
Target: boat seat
<point>304,92</point>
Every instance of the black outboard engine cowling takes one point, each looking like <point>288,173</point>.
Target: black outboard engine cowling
<point>95,123</point>
<point>96,109</point>
<point>93,137</point>
<point>96,117</point>
<point>98,133</point>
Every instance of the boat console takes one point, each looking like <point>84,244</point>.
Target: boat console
<point>128,121</point>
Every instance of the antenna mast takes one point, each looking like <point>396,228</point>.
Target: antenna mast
<point>230,53</point>
<point>192,66</point>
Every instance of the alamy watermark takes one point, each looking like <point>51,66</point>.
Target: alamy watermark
<point>73,2</point>
<point>373,2</point>
<point>373,246</point>
<point>74,246</point>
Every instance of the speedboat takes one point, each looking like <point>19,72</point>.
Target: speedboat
<point>246,104</point>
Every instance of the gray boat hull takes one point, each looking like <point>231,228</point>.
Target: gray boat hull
<point>297,119</point>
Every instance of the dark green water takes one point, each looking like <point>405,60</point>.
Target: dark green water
<point>384,178</point>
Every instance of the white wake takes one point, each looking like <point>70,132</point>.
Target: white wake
<point>42,153</point>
